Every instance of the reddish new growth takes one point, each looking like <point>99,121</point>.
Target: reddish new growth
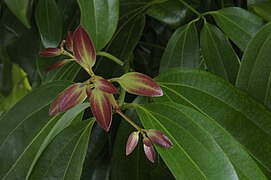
<point>99,91</point>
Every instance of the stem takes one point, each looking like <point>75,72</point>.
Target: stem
<point>190,7</point>
<point>110,56</point>
<point>122,91</point>
<point>130,122</point>
<point>68,54</point>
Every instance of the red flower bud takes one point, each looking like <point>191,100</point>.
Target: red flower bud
<point>132,142</point>
<point>69,41</point>
<point>104,85</point>
<point>50,52</point>
<point>148,149</point>
<point>159,138</point>
<point>58,64</point>
<point>139,84</point>
<point>67,99</point>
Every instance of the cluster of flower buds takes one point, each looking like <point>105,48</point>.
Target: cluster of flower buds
<point>78,47</point>
<point>153,136</point>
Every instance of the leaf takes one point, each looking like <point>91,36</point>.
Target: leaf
<point>244,118</point>
<point>21,9</point>
<point>238,24</point>
<point>139,84</point>
<point>182,49</point>
<point>24,128</point>
<point>100,18</point>
<point>205,150</point>
<point>254,73</point>
<point>218,53</point>
<point>263,10</point>
<point>101,108</point>
<point>83,49</point>
<point>68,98</point>
<point>173,13</point>
<point>64,156</point>
<point>49,23</point>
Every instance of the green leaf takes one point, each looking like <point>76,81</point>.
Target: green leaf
<point>255,69</point>
<point>24,128</point>
<point>263,10</point>
<point>99,18</point>
<point>205,149</point>
<point>218,53</point>
<point>245,119</point>
<point>182,49</point>
<point>21,9</point>
<point>49,23</point>
<point>64,156</point>
<point>172,13</point>
<point>238,24</point>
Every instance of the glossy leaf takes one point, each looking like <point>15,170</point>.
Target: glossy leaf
<point>263,10</point>
<point>243,117</point>
<point>49,23</point>
<point>68,98</point>
<point>21,9</point>
<point>254,73</point>
<point>101,108</point>
<point>64,156</point>
<point>132,142</point>
<point>182,49</point>
<point>100,18</point>
<point>24,128</point>
<point>83,48</point>
<point>139,84</point>
<point>238,24</point>
<point>173,13</point>
<point>205,150</point>
<point>218,53</point>
<point>104,85</point>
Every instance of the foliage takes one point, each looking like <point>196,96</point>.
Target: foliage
<point>206,114</point>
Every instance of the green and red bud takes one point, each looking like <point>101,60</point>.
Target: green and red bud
<point>58,64</point>
<point>139,84</point>
<point>132,142</point>
<point>50,52</point>
<point>104,85</point>
<point>83,49</point>
<point>101,108</point>
<point>149,149</point>
<point>159,138</point>
<point>69,98</point>
<point>69,41</point>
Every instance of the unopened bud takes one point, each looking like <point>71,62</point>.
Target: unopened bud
<point>50,52</point>
<point>148,149</point>
<point>159,138</point>
<point>132,142</point>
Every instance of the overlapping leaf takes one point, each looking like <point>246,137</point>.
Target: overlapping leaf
<point>263,9</point>
<point>49,23</point>
<point>218,53</point>
<point>182,49</point>
<point>205,150</point>
<point>238,24</point>
<point>254,73</point>
<point>242,116</point>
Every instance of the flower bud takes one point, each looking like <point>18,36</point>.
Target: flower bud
<point>159,138</point>
<point>50,52</point>
<point>132,142</point>
<point>148,149</point>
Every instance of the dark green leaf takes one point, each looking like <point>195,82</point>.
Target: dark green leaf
<point>172,13</point>
<point>238,24</point>
<point>21,9</point>
<point>251,2</point>
<point>254,73</point>
<point>24,128</point>
<point>49,23</point>
<point>205,150</point>
<point>218,53</point>
<point>244,118</point>
<point>182,49</point>
<point>99,18</point>
<point>64,156</point>
<point>263,10</point>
